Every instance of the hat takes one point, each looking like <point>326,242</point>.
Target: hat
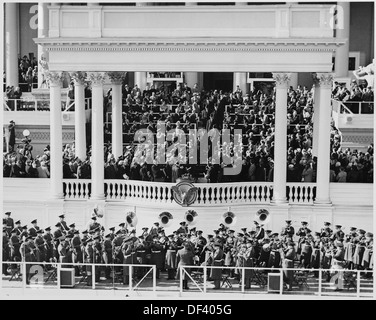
<point>7,213</point>
<point>338,226</point>
<point>216,231</point>
<point>317,234</point>
<point>40,231</point>
<point>182,223</point>
<point>210,236</point>
<point>353,228</point>
<point>24,227</point>
<point>288,221</point>
<point>253,232</point>
<point>361,231</point>
<point>303,222</point>
<point>193,229</point>
<point>96,237</point>
<point>156,224</point>
<point>58,225</point>
<point>145,229</point>
<point>47,229</point>
<point>14,230</point>
<point>327,223</point>
<point>62,216</point>
<point>268,231</point>
<point>34,221</point>
<point>112,229</point>
<point>133,231</point>
<point>108,235</point>
<point>18,222</point>
<point>94,218</point>
<point>240,234</point>
<point>256,223</point>
<point>231,231</point>
<point>76,232</point>
<point>141,237</point>
<point>118,232</point>
<point>122,224</point>
<point>244,230</point>
<point>69,236</point>
<point>84,232</point>
<point>274,235</point>
<point>72,225</point>
<point>369,234</point>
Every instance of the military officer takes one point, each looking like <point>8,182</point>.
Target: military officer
<point>9,223</point>
<point>64,226</point>
<point>41,246</point>
<point>33,230</point>
<point>6,251</point>
<point>326,231</point>
<point>107,255</point>
<point>49,244</point>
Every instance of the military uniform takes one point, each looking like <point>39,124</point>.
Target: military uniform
<point>6,251</point>
<point>9,225</point>
<point>41,248</point>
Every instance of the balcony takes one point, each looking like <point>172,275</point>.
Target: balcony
<point>140,193</point>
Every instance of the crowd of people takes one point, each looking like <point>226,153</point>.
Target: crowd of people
<point>288,248</point>
<point>353,95</point>
<point>183,109</point>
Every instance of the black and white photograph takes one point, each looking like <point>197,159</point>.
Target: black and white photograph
<point>195,152</point>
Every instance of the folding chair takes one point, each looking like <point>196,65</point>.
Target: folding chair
<point>51,273</point>
<point>226,281</point>
<point>198,276</point>
<point>15,272</point>
<point>349,280</point>
<point>300,278</point>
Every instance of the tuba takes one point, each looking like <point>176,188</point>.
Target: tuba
<point>131,219</point>
<point>97,212</point>
<point>262,216</point>
<point>165,218</point>
<point>190,217</point>
<point>229,218</point>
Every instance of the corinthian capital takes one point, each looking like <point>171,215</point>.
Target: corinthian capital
<point>116,77</point>
<point>54,78</point>
<point>78,77</point>
<point>324,79</point>
<point>282,79</point>
<point>96,78</point>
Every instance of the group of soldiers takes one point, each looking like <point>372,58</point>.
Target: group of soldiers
<point>326,249</point>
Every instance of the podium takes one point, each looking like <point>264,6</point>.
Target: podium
<point>274,282</point>
<point>67,279</point>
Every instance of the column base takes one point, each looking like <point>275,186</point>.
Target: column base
<point>279,202</point>
<point>57,196</point>
<point>97,197</point>
<point>322,202</point>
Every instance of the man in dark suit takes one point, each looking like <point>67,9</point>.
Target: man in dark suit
<point>184,257</point>
<point>216,273</point>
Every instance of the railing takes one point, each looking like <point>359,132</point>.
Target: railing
<point>76,189</point>
<point>282,281</point>
<point>353,107</point>
<point>143,279</point>
<point>208,194</point>
<point>37,105</point>
<point>130,277</point>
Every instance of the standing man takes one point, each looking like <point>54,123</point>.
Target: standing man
<point>9,223</point>
<point>76,246</point>
<point>216,273</point>
<point>14,242</point>
<point>33,230</point>
<point>49,245</point>
<point>6,251</point>
<point>41,246</point>
<point>107,255</point>
<point>64,227</point>
<point>288,264</point>
<point>184,257</point>
<point>288,231</point>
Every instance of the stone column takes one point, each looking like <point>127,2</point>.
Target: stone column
<point>117,123</point>
<point>341,67</point>
<point>240,79</point>
<point>11,44</point>
<point>316,117</point>
<point>80,119</point>
<point>280,137</point>
<point>97,140</point>
<point>323,152</point>
<point>140,80</point>
<point>56,138</point>
<point>42,33</point>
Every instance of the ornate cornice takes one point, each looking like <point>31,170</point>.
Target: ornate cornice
<point>96,78</point>
<point>54,78</point>
<point>116,77</point>
<point>79,77</point>
<point>103,44</point>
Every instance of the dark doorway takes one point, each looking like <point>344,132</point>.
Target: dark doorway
<point>218,80</point>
